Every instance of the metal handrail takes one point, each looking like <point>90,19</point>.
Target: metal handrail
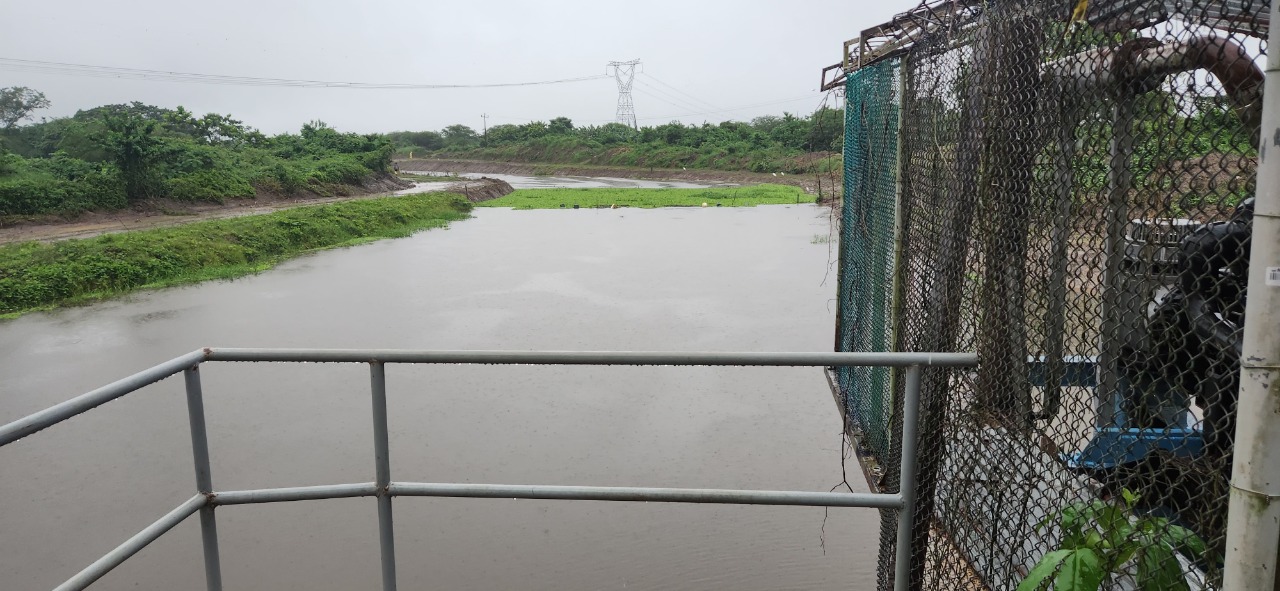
<point>383,488</point>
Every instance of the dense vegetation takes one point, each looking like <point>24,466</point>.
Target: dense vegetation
<point>36,275</point>
<point>108,157</point>
<point>729,197</point>
<point>766,144</point>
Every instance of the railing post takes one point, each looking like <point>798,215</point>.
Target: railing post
<point>204,477</point>
<point>907,479</point>
<point>382,477</point>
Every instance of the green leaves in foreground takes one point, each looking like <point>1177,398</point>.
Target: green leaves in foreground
<point>1099,539</point>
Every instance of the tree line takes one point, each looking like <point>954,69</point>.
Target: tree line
<point>769,143</point>
<point>111,156</point>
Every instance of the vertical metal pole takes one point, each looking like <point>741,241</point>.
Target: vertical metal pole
<point>1059,261</point>
<point>1253,520</point>
<point>382,477</point>
<point>907,480</point>
<point>204,477</point>
<point>1120,182</point>
<point>899,229</point>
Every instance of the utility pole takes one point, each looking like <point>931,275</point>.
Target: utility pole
<point>625,73</point>
<point>1253,516</point>
<point>485,133</point>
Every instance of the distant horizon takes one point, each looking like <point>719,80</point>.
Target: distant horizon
<point>705,62</point>
<point>832,103</point>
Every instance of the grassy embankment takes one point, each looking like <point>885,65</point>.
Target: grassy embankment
<point>728,197</point>
<point>36,276</point>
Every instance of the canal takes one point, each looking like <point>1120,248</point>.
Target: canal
<point>750,279</point>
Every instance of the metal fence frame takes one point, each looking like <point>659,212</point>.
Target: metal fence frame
<point>383,488</point>
<point>1022,73</point>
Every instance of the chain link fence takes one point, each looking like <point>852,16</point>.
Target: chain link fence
<point>1065,190</point>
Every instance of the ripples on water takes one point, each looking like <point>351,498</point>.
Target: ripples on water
<point>722,279</point>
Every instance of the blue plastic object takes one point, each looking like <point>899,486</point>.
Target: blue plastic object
<point>1114,446</point>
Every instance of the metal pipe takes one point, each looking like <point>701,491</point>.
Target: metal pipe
<point>61,412</point>
<point>1141,63</point>
<point>1059,261</point>
<point>815,359</point>
<point>898,296</point>
<point>199,437</point>
<point>382,471</point>
<point>1119,184</point>
<point>1253,518</point>
<point>204,477</point>
<point>557,492</point>
<point>296,493</point>
<point>646,495</point>
<point>132,545</point>
<point>907,480</point>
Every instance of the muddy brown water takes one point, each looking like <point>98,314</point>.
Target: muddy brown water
<point>578,182</point>
<point>747,279</point>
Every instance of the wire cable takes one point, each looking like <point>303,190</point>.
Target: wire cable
<point>91,71</point>
<point>695,99</point>
<point>674,117</point>
<point>683,103</point>
<point>666,98</point>
<point>744,107</point>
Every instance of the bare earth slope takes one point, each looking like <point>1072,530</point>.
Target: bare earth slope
<point>161,213</point>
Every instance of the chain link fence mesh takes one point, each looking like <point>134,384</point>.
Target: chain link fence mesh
<point>867,244</point>
<point>1068,197</point>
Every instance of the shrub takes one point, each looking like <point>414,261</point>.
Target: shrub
<point>209,185</point>
<point>340,169</point>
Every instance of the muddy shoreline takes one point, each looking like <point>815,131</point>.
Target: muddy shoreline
<point>164,213</point>
<point>808,182</point>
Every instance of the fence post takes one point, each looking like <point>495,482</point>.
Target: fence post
<point>1119,184</point>
<point>204,477</point>
<point>382,471</point>
<point>1253,518</point>
<point>907,486</point>
<point>1061,204</point>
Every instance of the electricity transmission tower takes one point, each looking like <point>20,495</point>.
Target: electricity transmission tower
<point>625,73</point>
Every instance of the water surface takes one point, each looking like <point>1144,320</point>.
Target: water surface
<point>747,279</point>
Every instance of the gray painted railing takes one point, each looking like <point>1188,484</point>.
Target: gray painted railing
<point>383,488</point>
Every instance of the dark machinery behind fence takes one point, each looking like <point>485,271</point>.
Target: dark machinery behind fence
<point>1072,199</point>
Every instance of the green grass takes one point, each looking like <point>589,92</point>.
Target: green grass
<point>35,276</point>
<point>727,197</point>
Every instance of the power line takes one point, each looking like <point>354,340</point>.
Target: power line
<point>91,71</point>
<point>673,117</point>
<point>666,98</point>
<point>683,103</point>
<point>744,107</point>
<point>695,99</point>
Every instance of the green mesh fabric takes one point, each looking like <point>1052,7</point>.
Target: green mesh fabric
<point>867,245</point>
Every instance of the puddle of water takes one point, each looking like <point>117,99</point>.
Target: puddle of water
<point>673,279</point>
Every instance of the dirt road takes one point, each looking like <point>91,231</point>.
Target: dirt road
<point>164,213</point>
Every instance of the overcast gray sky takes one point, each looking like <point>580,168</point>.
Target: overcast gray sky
<point>727,54</point>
